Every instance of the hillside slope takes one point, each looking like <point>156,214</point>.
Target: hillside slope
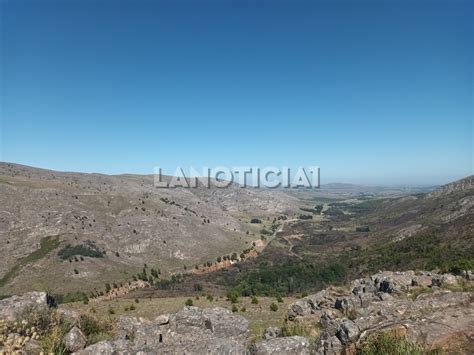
<point>115,224</point>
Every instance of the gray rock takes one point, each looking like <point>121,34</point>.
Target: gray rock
<point>162,319</point>
<point>286,345</point>
<point>75,340</point>
<point>69,316</point>
<point>449,280</point>
<point>271,332</point>
<point>20,307</point>
<point>348,332</point>
<point>299,308</point>
<point>106,347</point>
<point>329,345</point>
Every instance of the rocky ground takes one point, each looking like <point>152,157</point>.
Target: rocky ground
<point>428,311</point>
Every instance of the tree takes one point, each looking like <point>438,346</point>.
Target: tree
<point>273,307</point>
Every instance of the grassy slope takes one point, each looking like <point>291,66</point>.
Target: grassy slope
<point>47,245</point>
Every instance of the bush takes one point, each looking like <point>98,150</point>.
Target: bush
<point>234,309</point>
<point>388,343</point>
<point>273,307</point>
<point>189,302</point>
<point>132,307</point>
<point>288,277</point>
<point>254,300</point>
<point>233,297</point>
<point>88,249</point>
<point>279,299</point>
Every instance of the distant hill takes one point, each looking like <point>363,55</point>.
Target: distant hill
<point>67,231</point>
<point>462,185</point>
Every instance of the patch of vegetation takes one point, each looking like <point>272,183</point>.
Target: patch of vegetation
<point>189,302</point>
<point>95,329</point>
<point>53,340</point>
<point>287,278</point>
<point>70,297</point>
<point>316,210</point>
<point>420,291</point>
<point>389,344</point>
<point>47,245</point>
<point>420,252</point>
<point>88,249</point>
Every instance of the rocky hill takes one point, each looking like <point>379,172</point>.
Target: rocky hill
<point>72,231</point>
<point>389,312</point>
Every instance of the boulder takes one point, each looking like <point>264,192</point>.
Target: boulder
<point>271,332</point>
<point>20,307</point>
<point>286,345</point>
<point>75,340</point>
<point>448,280</point>
<point>106,347</point>
<point>348,332</point>
<point>162,319</point>
<point>329,345</point>
<point>300,308</point>
<point>69,316</point>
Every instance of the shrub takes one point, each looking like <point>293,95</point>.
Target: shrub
<point>279,299</point>
<point>88,249</point>
<point>111,311</point>
<point>254,300</point>
<point>132,307</point>
<point>273,307</point>
<point>233,297</point>
<point>388,343</point>
<point>234,309</point>
<point>189,302</point>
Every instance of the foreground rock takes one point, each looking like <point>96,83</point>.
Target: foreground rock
<point>284,346</point>
<point>19,307</point>
<point>190,331</point>
<point>421,307</point>
<point>436,319</point>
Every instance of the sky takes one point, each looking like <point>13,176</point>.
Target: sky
<point>372,92</point>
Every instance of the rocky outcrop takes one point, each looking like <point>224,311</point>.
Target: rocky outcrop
<point>284,346</point>
<point>75,340</point>
<point>419,306</point>
<point>190,331</point>
<point>17,307</point>
<point>386,302</point>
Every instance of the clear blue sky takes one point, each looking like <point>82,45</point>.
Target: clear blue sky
<point>373,92</point>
